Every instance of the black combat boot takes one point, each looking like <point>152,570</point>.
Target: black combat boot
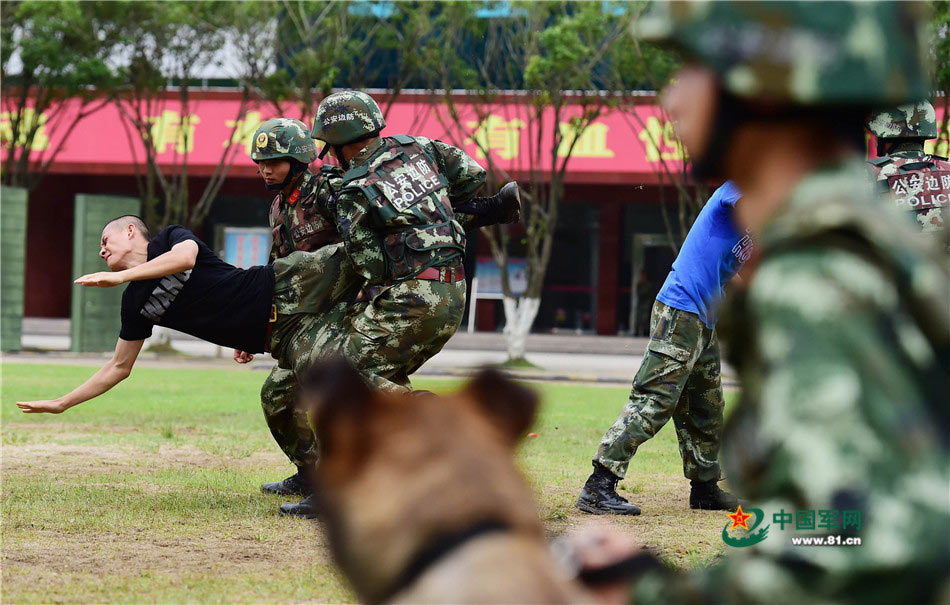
<point>706,495</point>
<point>502,208</point>
<point>600,497</point>
<point>294,485</point>
<point>305,509</point>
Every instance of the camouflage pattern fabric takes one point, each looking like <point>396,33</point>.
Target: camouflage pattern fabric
<point>304,219</point>
<point>912,120</point>
<point>412,219</point>
<point>842,342</point>
<point>359,220</point>
<point>344,117</point>
<point>808,53</point>
<point>289,426</point>
<point>406,323</point>
<point>313,291</point>
<point>679,379</point>
<point>283,138</point>
<point>310,222</point>
<point>918,183</point>
<point>309,289</point>
<point>400,329</point>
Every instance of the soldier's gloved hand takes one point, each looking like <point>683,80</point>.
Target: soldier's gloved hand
<point>503,208</point>
<point>243,356</point>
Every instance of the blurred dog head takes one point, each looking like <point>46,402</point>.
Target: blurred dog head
<point>401,474</point>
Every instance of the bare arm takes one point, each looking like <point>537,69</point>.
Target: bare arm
<point>115,371</point>
<point>180,258</point>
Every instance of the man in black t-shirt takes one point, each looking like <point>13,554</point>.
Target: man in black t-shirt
<point>176,281</point>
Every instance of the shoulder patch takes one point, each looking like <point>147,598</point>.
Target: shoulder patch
<point>403,139</point>
<point>881,161</point>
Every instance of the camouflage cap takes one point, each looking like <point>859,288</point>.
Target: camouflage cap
<point>913,120</point>
<point>283,138</point>
<point>805,53</point>
<point>347,116</point>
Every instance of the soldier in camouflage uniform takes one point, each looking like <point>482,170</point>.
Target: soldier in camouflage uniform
<point>300,219</point>
<point>396,217</point>
<point>842,337</point>
<point>919,182</point>
<point>303,218</point>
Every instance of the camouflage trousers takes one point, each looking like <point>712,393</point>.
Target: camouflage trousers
<point>290,428</point>
<point>679,379</point>
<point>401,328</point>
<point>312,293</point>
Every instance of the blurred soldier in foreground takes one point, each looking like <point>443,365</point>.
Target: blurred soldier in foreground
<point>919,181</point>
<point>303,218</point>
<point>842,336</point>
<point>679,377</point>
<point>396,214</point>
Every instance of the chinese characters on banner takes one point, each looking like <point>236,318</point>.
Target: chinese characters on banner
<point>631,142</point>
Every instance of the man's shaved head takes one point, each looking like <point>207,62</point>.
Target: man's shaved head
<point>128,219</point>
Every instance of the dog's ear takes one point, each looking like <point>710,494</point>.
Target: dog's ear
<point>337,400</point>
<point>510,406</point>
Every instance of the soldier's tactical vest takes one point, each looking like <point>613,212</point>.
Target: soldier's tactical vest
<point>919,183</point>
<point>411,208</point>
<point>306,220</point>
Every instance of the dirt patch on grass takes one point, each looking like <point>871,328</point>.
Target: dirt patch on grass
<point>667,525</point>
<point>242,546</point>
<point>33,458</point>
<point>45,559</point>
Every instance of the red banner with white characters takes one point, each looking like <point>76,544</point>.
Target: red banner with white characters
<point>621,145</point>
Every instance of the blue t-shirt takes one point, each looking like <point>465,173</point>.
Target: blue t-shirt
<point>712,253</point>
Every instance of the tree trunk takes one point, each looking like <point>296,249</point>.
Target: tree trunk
<point>519,317</point>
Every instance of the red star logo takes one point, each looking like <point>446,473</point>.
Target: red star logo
<point>739,519</point>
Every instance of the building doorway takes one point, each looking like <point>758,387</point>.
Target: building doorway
<point>652,259</point>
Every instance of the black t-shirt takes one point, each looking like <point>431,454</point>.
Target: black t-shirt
<point>214,301</point>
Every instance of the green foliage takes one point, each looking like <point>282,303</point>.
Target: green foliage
<point>61,45</point>
<point>49,52</point>
<point>570,49</point>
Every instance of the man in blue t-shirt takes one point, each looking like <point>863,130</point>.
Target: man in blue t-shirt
<point>679,376</point>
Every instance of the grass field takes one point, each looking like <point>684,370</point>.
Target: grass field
<point>150,493</point>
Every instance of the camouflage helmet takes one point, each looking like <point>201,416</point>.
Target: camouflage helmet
<point>913,120</point>
<point>283,138</point>
<point>803,53</point>
<point>345,117</point>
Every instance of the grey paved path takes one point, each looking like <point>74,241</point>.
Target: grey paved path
<point>574,357</point>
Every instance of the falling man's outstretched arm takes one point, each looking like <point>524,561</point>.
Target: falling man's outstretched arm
<point>115,371</point>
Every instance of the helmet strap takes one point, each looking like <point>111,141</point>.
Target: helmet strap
<point>338,152</point>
